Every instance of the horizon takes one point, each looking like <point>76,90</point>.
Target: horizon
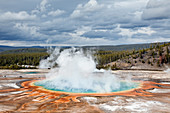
<point>83,45</point>
<point>83,23</point>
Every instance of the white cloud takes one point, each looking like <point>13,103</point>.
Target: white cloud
<point>145,30</point>
<point>22,15</point>
<point>56,13</point>
<point>131,3</point>
<point>43,5</point>
<point>89,7</point>
<point>80,31</point>
<point>29,30</point>
<point>13,43</point>
<point>129,33</point>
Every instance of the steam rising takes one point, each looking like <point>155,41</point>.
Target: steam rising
<point>76,71</point>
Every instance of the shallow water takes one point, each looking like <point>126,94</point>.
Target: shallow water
<point>123,87</point>
<point>31,72</point>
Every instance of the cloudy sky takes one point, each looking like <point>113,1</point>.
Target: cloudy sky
<point>83,22</point>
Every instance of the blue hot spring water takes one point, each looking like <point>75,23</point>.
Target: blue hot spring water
<point>31,72</point>
<point>77,73</point>
<point>123,87</point>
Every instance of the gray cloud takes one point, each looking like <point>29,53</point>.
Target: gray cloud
<point>87,22</point>
<point>157,9</point>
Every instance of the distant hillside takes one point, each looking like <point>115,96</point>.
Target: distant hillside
<point>25,50</point>
<point>103,48</point>
<point>11,49</point>
<point>121,47</point>
<point>155,57</point>
<point>6,48</point>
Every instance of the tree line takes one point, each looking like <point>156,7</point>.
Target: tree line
<point>158,52</point>
<point>17,60</point>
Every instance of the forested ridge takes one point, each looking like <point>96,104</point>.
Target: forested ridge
<point>156,54</point>
<point>105,57</point>
<point>16,60</point>
<point>25,50</point>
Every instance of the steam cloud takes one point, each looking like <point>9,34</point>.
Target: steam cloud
<point>76,71</point>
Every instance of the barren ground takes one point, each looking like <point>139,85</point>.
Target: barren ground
<point>12,99</point>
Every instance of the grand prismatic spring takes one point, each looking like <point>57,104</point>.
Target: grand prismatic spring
<point>77,73</point>
<point>77,76</point>
<point>73,76</point>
